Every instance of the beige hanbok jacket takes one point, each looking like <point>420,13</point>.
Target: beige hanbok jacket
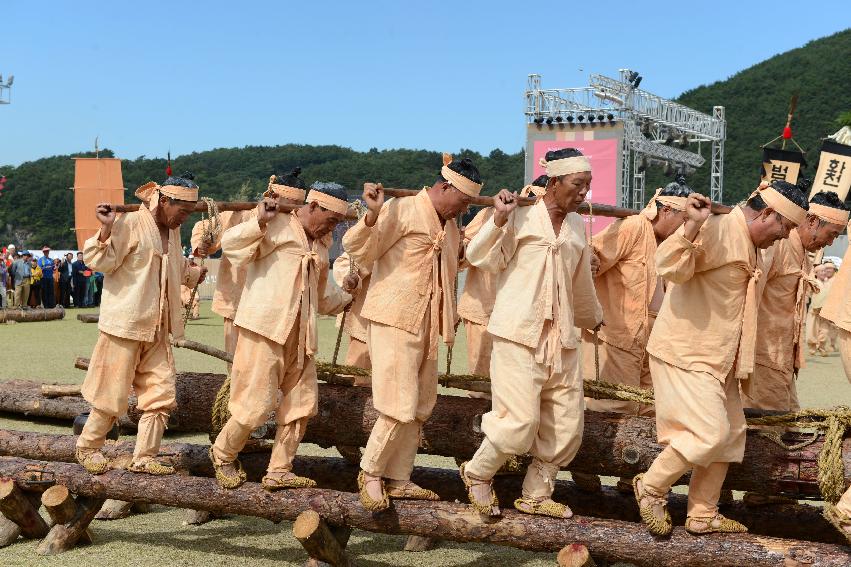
<point>229,280</point>
<point>543,279</point>
<point>836,298</point>
<point>135,270</point>
<point>784,289</point>
<point>355,324</point>
<point>414,259</point>
<point>700,324</point>
<point>286,278</point>
<point>477,299</point>
<point>626,281</point>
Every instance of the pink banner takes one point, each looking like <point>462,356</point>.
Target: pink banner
<point>603,155</point>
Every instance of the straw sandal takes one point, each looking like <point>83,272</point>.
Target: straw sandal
<point>838,520</point>
<point>489,509</point>
<point>93,460</point>
<point>654,525</point>
<point>366,499</point>
<point>276,482</point>
<point>151,466</point>
<point>410,491</point>
<point>545,507</point>
<point>225,480</point>
<point>725,525</point>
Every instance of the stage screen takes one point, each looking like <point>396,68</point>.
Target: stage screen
<point>603,155</point>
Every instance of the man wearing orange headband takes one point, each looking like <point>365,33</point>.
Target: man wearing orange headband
<point>821,333</point>
<point>411,245</point>
<point>288,188</point>
<point>631,294</point>
<point>544,289</point>
<point>476,302</point>
<point>141,255</point>
<point>702,344</point>
<point>285,256</point>
<point>785,286</point>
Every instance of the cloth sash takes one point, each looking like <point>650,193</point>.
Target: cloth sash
<point>432,273</point>
<point>747,342</point>
<point>309,307</point>
<point>554,293</point>
<point>807,284</point>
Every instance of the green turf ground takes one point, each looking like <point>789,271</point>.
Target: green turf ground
<point>46,351</point>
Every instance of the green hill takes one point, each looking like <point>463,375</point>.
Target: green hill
<point>756,101</point>
<point>37,206</point>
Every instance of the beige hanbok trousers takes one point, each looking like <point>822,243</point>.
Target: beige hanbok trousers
<point>404,391</point>
<point>819,331</point>
<point>266,378</point>
<point>536,411</point>
<point>357,354</point>
<point>701,422</point>
<point>116,365</point>
<point>231,334</point>
<point>479,348</point>
<point>770,389</point>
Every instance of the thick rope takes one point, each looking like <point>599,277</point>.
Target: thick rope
<point>212,230</point>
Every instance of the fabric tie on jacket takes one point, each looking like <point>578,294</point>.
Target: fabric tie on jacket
<point>807,284</point>
<point>309,303</point>
<point>553,294</point>
<point>431,278</point>
<point>747,342</point>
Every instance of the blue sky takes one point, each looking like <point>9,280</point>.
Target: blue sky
<point>149,76</point>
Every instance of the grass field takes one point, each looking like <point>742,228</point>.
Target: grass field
<point>46,351</point>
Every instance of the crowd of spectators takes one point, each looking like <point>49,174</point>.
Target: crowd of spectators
<point>27,282</point>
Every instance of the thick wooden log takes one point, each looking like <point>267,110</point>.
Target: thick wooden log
<point>60,390</point>
<point>612,444</point>
<point>114,510</point>
<point>62,508</point>
<point>9,531</point>
<point>575,555</point>
<point>607,540</point>
<point>31,315</point>
<point>18,508</point>
<point>63,537</point>
<point>792,521</point>
<point>88,317</point>
<point>318,540</point>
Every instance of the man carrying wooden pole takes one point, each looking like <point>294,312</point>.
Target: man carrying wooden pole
<point>286,288</point>
<point>141,255</point>
<point>289,189</point>
<point>631,294</point>
<point>702,344</point>
<point>544,290</point>
<point>787,283</point>
<point>412,247</point>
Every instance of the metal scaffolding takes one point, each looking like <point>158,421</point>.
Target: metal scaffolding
<point>657,131</point>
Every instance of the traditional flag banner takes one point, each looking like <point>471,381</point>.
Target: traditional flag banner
<point>834,169</point>
<point>783,165</point>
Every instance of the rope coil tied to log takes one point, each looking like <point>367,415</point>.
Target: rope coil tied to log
<point>212,223</point>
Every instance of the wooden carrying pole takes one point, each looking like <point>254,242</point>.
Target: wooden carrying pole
<point>598,209</point>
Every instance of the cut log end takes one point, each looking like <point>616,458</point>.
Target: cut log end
<point>9,531</point>
<point>575,555</point>
<point>306,524</point>
<point>319,541</point>
<point>63,537</point>
<point>18,508</point>
<point>114,510</point>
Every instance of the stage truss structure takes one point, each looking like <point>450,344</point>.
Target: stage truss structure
<point>657,131</point>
